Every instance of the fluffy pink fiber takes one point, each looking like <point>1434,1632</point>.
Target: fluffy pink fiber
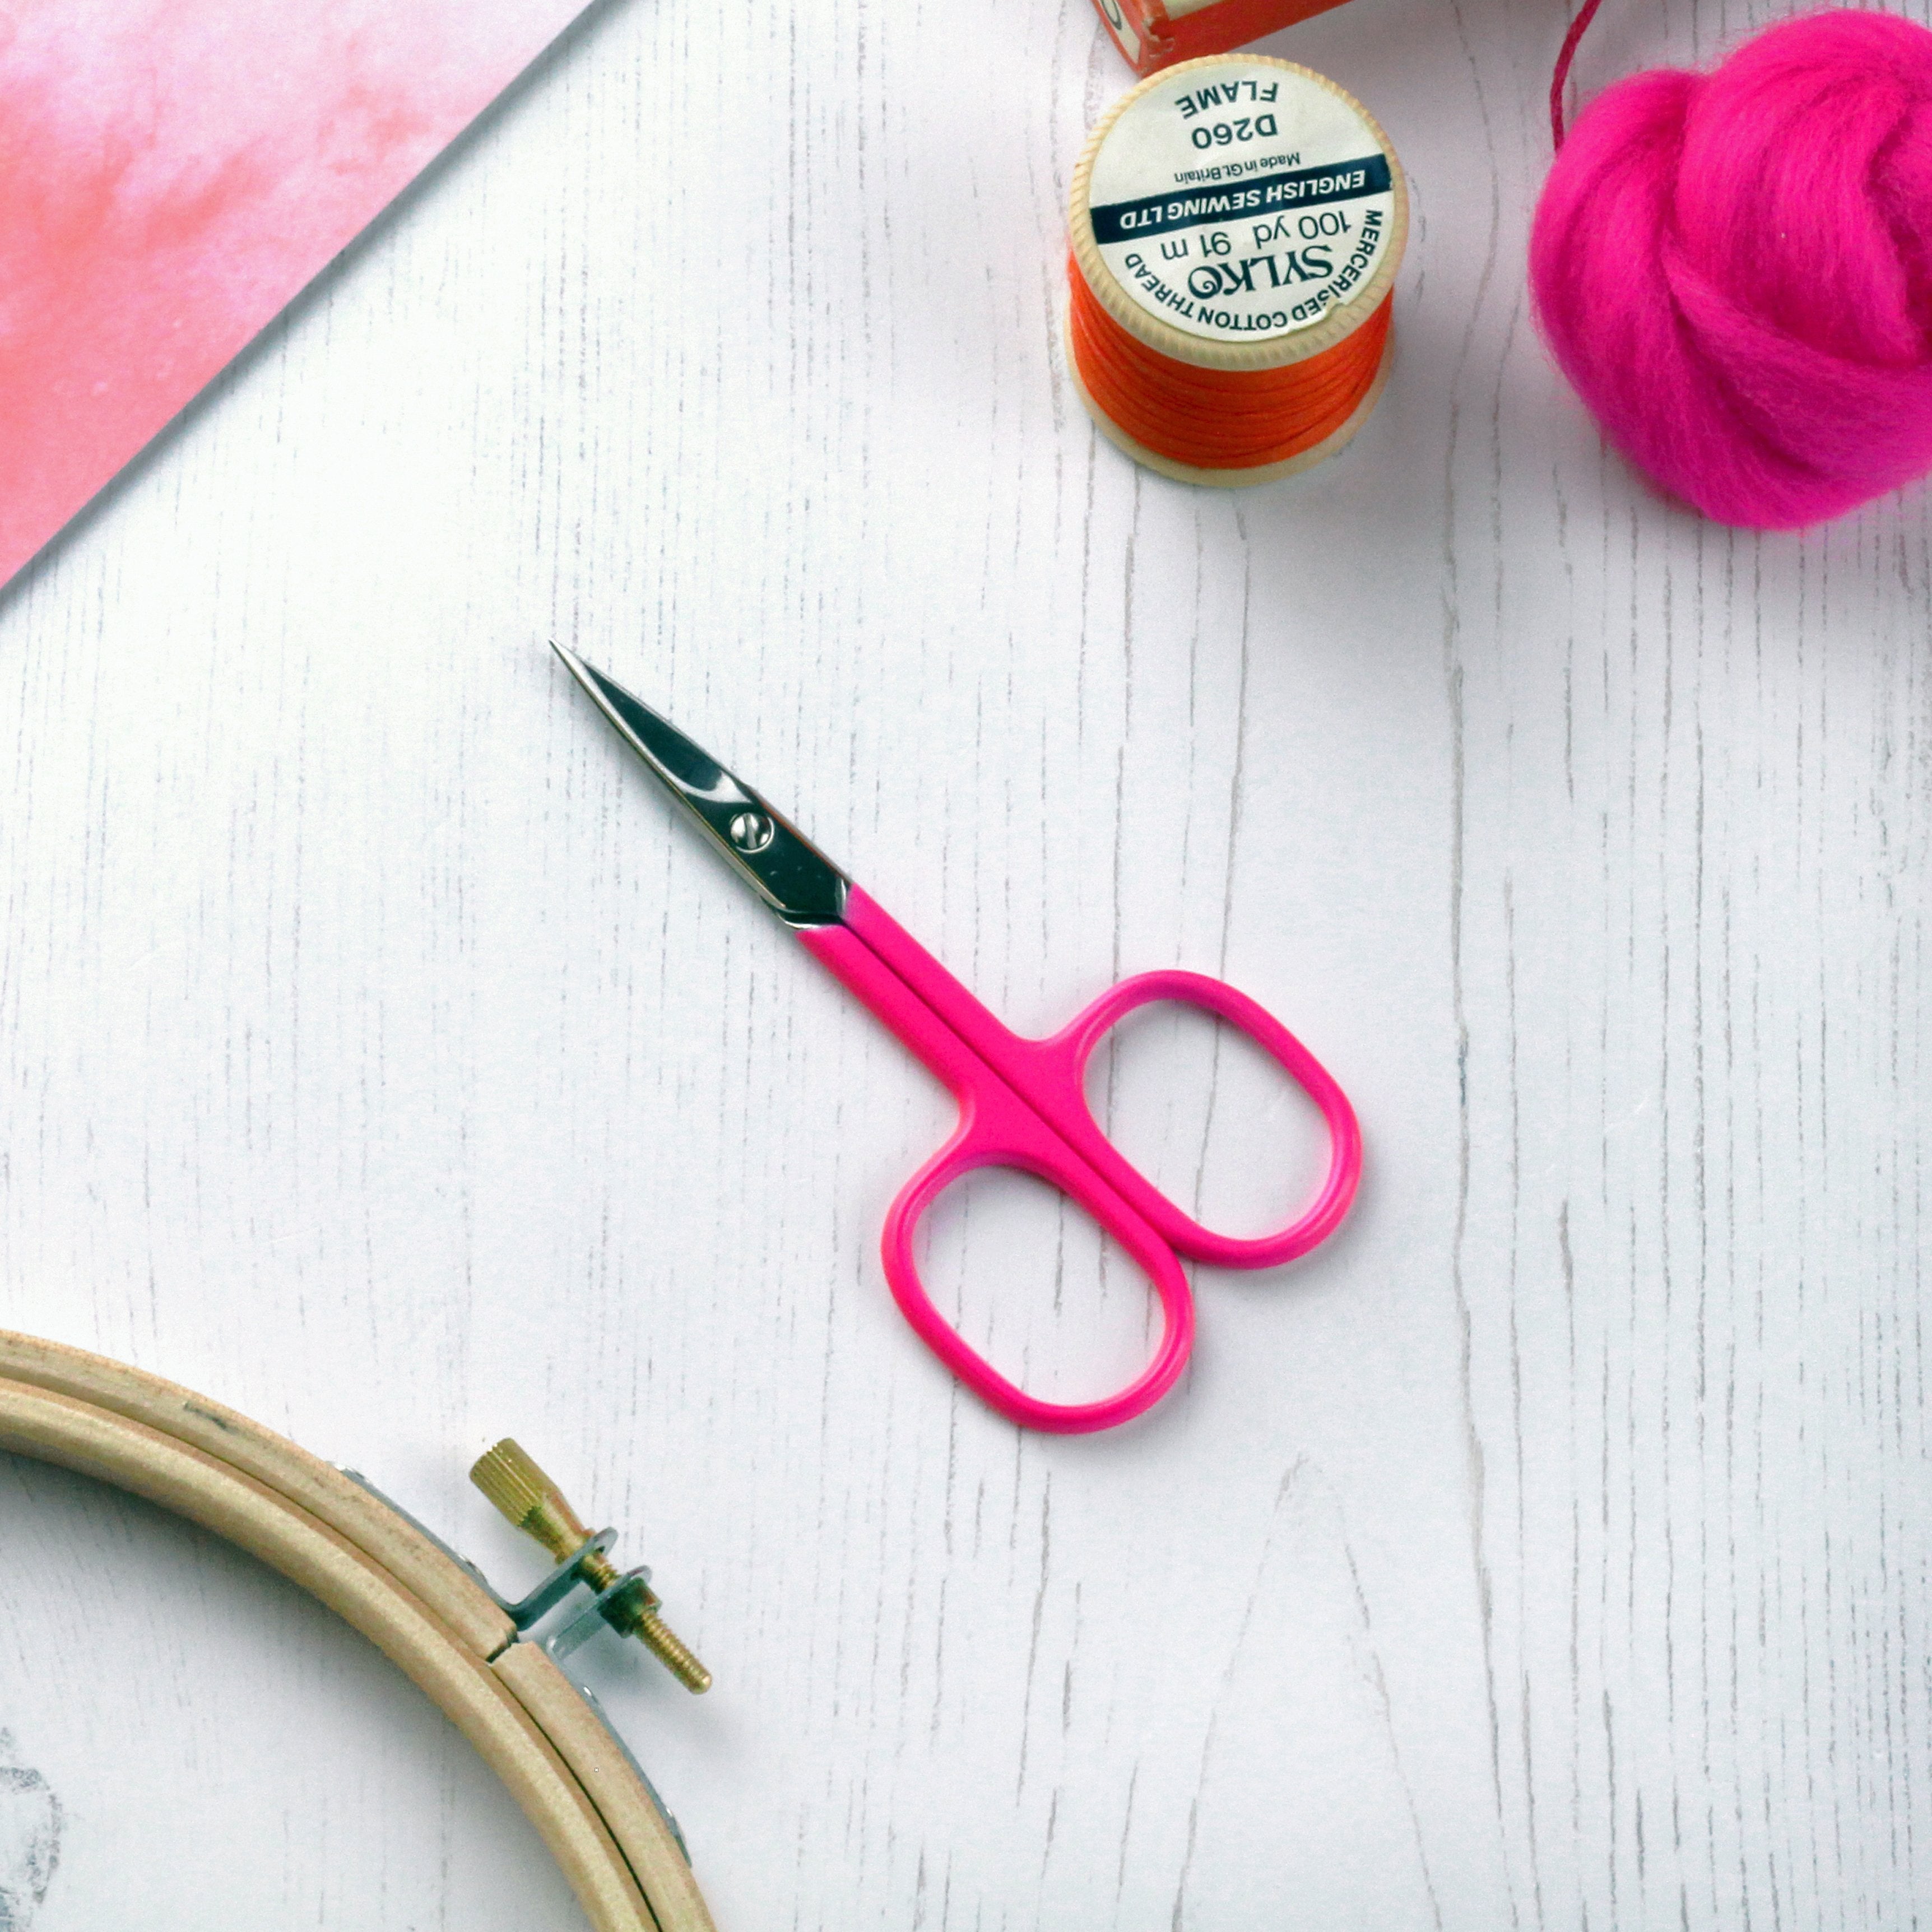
<point>1735,269</point>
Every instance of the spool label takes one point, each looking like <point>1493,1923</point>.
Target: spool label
<point>1242,201</point>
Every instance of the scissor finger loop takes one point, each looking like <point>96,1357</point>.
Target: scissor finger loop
<point>991,1134</point>
<point>1068,1052</point>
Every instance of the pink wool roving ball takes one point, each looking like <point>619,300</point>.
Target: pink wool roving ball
<point>1735,269</point>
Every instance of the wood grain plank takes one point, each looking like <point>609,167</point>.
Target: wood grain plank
<point>377,1054</point>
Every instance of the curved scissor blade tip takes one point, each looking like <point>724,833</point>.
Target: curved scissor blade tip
<point>684,766</point>
<point>776,860</point>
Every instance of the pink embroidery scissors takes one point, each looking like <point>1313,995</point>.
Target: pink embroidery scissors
<point>1022,1102</point>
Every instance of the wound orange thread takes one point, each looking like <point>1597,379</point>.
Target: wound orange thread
<point>1220,419</point>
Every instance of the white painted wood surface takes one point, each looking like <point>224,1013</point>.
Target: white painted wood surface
<point>377,1053</point>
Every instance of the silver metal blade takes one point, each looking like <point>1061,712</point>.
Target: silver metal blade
<point>769,853</point>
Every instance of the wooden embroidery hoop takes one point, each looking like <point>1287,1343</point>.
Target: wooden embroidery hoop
<point>424,1609</point>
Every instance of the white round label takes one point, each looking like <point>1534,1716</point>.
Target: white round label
<point>1241,201</point>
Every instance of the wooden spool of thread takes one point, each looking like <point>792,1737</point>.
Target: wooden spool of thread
<point>1235,224</point>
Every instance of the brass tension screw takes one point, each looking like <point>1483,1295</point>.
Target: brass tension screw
<point>509,1477</point>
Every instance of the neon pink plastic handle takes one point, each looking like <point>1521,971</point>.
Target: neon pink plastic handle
<point>998,1129</point>
<point>1050,1076</point>
<point>1063,1099</point>
<point>1023,1104</point>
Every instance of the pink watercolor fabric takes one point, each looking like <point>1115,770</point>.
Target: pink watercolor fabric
<point>172,173</point>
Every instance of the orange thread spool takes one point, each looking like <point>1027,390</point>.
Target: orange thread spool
<point>1236,224</point>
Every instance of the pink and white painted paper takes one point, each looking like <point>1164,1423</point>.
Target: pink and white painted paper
<point>172,173</point>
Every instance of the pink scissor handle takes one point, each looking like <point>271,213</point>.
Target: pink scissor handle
<point>1050,1076</point>
<point>993,1133</point>
<point>997,1129</point>
<point>1064,1057</point>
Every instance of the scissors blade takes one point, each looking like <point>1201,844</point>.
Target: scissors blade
<point>765,849</point>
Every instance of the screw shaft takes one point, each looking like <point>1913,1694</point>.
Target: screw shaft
<point>673,1652</point>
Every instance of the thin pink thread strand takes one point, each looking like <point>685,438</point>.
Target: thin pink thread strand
<point>1560,80</point>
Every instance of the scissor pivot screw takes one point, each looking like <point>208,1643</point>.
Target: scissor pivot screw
<point>511,1479</point>
<point>750,831</point>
